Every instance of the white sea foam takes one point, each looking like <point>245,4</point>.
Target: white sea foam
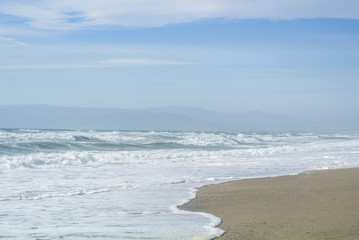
<point>37,194</point>
<point>325,150</point>
<point>105,184</point>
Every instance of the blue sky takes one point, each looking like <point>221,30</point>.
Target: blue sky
<point>293,58</point>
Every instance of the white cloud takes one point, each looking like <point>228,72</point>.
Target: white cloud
<point>9,42</point>
<point>108,63</point>
<point>74,14</point>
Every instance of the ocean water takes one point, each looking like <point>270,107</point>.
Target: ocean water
<point>83,184</point>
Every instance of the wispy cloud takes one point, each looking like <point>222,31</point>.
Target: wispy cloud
<point>108,63</point>
<point>138,61</point>
<point>74,14</point>
<point>9,42</point>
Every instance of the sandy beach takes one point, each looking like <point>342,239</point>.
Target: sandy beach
<point>312,205</point>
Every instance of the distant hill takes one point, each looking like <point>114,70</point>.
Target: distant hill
<point>50,117</point>
<point>245,121</point>
<point>162,119</point>
<point>255,120</point>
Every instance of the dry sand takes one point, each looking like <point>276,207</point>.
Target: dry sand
<point>313,205</point>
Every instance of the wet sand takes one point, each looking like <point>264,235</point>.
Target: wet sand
<point>313,205</point>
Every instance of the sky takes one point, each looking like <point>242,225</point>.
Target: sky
<point>295,57</point>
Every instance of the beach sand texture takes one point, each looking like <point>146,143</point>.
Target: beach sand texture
<point>312,205</point>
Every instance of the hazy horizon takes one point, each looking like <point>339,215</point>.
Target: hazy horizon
<point>162,119</point>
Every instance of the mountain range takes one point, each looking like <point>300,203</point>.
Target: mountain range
<point>162,119</point>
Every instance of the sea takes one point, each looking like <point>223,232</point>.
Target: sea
<point>87,184</point>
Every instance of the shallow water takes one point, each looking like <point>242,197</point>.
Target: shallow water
<point>82,184</point>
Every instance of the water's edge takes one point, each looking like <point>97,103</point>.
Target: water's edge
<point>215,231</point>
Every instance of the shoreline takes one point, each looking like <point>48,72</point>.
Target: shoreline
<point>311,205</point>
